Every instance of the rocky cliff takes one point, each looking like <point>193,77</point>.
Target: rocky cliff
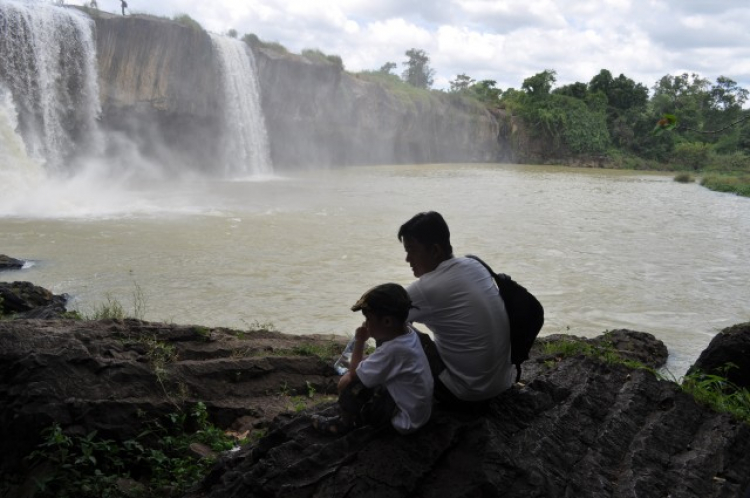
<point>158,84</point>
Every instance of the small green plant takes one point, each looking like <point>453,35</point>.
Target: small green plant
<point>603,351</point>
<point>139,302</point>
<point>718,393</point>
<point>204,332</point>
<point>111,309</point>
<point>158,462</point>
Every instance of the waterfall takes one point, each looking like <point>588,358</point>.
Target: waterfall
<point>245,139</point>
<point>48,63</point>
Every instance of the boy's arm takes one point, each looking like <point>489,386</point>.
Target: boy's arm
<point>360,338</point>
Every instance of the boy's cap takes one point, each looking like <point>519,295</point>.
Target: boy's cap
<point>385,298</point>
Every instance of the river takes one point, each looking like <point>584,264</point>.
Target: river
<point>601,249</point>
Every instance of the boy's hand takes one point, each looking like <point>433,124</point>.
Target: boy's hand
<point>344,381</point>
<point>362,334</point>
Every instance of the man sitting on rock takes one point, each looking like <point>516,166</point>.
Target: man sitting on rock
<point>391,385</point>
<point>457,299</point>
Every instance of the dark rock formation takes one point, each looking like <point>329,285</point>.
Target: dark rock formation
<point>26,300</point>
<point>583,428</point>
<point>8,263</point>
<point>578,427</point>
<point>98,375</point>
<point>730,346</point>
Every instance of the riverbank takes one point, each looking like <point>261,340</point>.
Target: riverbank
<point>590,418</point>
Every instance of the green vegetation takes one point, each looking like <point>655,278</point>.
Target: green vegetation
<point>112,308</point>
<point>315,55</point>
<point>253,41</point>
<point>187,21</point>
<point>418,72</point>
<point>738,183</point>
<point>156,463</point>
<point>717,393</point>
<point>701,127</point>
<point>603,351</point>
<point>710,390</point>
<point>684,178</point>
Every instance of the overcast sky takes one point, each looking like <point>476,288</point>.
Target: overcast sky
<point>503,40</point>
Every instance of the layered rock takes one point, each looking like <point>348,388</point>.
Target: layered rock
<point>26,300</point>
<point>578,426</point>
<point>159,81</point>
<point>100,375</point>
<point>318,115</point>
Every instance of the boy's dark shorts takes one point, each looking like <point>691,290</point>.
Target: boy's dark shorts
<point>367,406</point>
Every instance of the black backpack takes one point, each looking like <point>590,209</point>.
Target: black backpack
<point>525,314</point>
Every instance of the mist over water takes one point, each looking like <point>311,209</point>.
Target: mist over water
<point>55,161</point>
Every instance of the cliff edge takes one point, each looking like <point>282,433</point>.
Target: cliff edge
<point>159,81</point>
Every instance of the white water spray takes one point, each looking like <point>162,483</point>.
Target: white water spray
<point>245,142</point>
<point>48,63</point>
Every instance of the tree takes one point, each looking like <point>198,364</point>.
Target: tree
<point>486,92</point>
<point>577,90</point>
<point>461,83</point>
<point>418,72</point>
<point>540,84</point>
<point>387,68</point>
<point>232,33</point>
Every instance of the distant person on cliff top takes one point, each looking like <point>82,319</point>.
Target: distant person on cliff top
<point>393,385</point>
<point>124,6</point>
<point>457,299</point>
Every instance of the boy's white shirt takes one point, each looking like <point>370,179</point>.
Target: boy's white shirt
<point>401,366</point>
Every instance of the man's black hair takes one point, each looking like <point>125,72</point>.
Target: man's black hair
<point>428,228</point>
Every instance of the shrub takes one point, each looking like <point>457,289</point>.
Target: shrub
<point>187,21</point>
<point>690,155</point>
<point>736,184</point>
<point>684,178</point>
<point>316,55</point>
<point>158,462</point>
<point>253,41</point>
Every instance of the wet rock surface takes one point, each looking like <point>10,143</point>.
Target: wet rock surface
<point>26,300</point>
<point>8,263</point>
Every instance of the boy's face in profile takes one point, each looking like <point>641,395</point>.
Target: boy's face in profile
<point>380,327</point>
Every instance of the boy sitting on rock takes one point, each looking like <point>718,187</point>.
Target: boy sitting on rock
<point>393,384</point>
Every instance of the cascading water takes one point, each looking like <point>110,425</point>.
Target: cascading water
<point>48,63</point>
<point>245,139</point>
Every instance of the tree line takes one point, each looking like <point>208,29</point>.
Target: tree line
<point>622,120</point>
